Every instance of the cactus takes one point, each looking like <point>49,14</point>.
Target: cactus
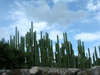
<point>89,58</point>
<point>22,44</point>
<point>99,51</point>
<point>64,55</point>
<point>93,60</point>
<point>81,53</point>
<point>72,57</point>
<point>14,41</point>
<point>96,56</point>
<point>67,50</point>
<point>16,37</point>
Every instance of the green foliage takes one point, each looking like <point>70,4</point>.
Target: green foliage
<point>11,58</point>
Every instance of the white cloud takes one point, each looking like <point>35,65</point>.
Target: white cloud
<point>43,17</point>
<point>40,11</point>
<point>97,16</point>
<point>93,5</point>
<point>56,1</point>
<point>89,37</point>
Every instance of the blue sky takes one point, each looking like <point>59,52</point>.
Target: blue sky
<point>79,18</point>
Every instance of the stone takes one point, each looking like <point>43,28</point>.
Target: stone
<point>51,71</point>
<point>4,73</point>
<point>40,72</point>
<point>34,70</point>
<point>25,71</point>
<point>74,71</point>
<point>55,73</point>
<point>81,73</point>
<point>87,72</point>
<point>95,70</point>
<point>14,72</point>
<point>45,73</point>
<point>67,73</point>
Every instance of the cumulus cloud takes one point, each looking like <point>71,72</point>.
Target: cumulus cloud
<point>89,37</point>
<point>93,6</point>
<point>43,16</point>
<point>40,11</point>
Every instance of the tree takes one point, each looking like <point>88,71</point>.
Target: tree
<point>11,58</point>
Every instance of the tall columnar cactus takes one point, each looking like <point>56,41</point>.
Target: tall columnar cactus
<point>58,60</point>
<point>32,41</point>
<point>86,61</point>
<point>41,44</point>
<point>81,53</point>
<point>27,47</point>
<point>96,56</point>
<point>22,44</point>
<point>94,60</point>
<point>51,55</point>
<point>48,48</point>
<point>99,51</point>
<point>64,55</point>
<point>16,37</point>
<point>27,43</point>
<point>36,48</point>
<point>64,48</point>
<point>89,58</point>
<point>10,40</point>
<point>63,62</point>
<point>72,57</point>
<point>14,41</point>
<point>67,50</point>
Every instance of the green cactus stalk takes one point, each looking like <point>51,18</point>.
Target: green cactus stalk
<point>51,54</point>
<point>96,56</point>
<point>41,44</point>
<point>66,47</point>
<point>87,61</point>
<point>94,60</point>
<point>14,41</point>
<point>16,37</point>
<point>72,57</point>
<point>89,58</point>
<point>58,53</point>
<point>83,55</point>
<point>64,56</point>
<point>99,51</point>
<point>36,48</point>
<point>81,52</point>
<point>22,44</point>
<point>10,41</point>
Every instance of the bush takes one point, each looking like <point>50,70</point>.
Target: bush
<point>11,58</point>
